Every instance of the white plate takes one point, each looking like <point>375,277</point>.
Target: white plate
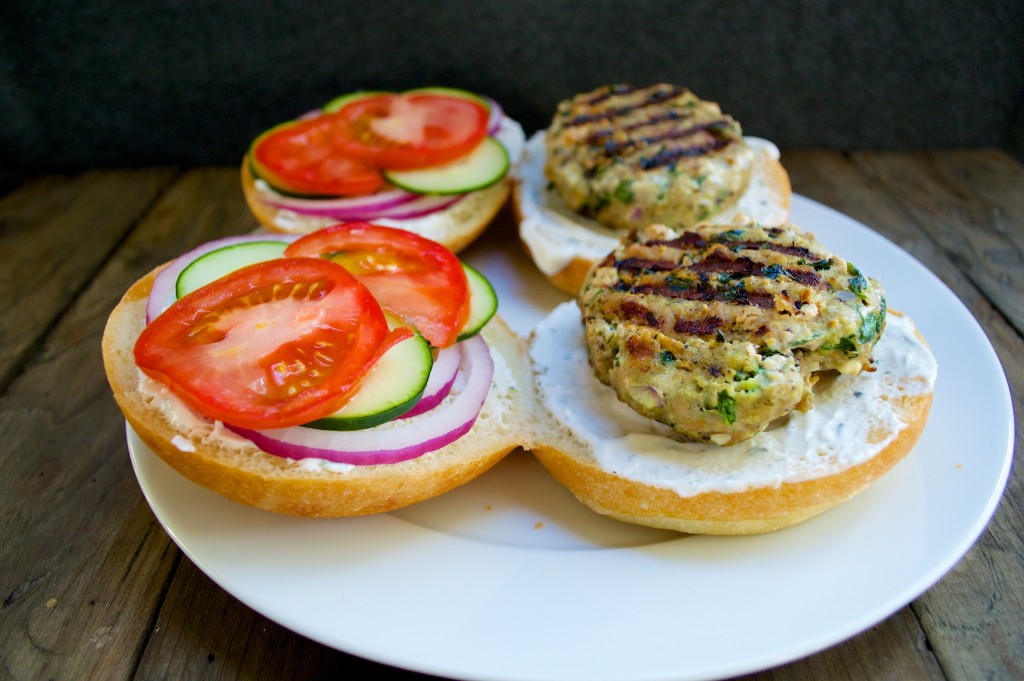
<point>510,578</point>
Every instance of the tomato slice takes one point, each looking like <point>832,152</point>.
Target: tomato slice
<point>415,278</point>
<point>275,344</point>
<point>414,130</point>
<point>300,157</point>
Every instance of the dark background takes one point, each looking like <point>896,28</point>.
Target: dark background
<point>110,84</point>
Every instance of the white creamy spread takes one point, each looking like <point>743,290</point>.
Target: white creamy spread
<point>183,419</point>
<point>555,234</point>
<point>437,226</point>
<point>826,440</point>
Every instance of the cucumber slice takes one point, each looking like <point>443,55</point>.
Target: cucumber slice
<point>393,387</point>
<point>480,168</point>
<point>216,264</point>
<point>450,92</point>
<point>483,303</point>
<point>337,103</point>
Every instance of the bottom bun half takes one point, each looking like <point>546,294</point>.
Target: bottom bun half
<point>627,467</point>
<point>209,455</point>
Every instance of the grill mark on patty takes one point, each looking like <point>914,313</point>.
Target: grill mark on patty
<point>717,262</point>
<point>600,137</point>
<point>654,97</point>
<point>703,292</point>
<point>638,348</point>
<point>638,265</point>
<point>638,313</point>
<point>697,327</point>
<point>745,267</point>
<point>805,277</point>
<point>798,251</point>
<point>610,91</point>
<point>666,157</point>
<point>706,269</point>
<point>614,148</point>
<point>691,242</point>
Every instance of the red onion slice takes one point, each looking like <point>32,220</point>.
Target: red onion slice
<point>496,114</point>
<point>398,440</point>
<point>396,205</point>
<point>424,205</point>
<point>163,295</point>
<point>354,208</point>
<point>440,382</point>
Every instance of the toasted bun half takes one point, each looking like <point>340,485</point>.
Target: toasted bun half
<point>565,245</point>
<point>214,458</point>
<point>627,467</point>
<point>454,227</point>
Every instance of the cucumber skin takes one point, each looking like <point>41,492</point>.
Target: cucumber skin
<point>364,422</point>
<point>181,287</point>
<point>338,103</point>
<point>341,101</point>
<point>367,417</point>
<point>480,290</point>
<point>424,180</point>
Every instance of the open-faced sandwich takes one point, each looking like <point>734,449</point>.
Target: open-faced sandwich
<point>726,379</point>
<point>433,161</point>
<point>622,157</point>
<point>354,370</point>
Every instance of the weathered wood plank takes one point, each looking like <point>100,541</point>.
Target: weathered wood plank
<point>55,233</point>
<point>894,649</point>
<point>972,616</point>
<point>85,564</point>
<point>970,204</point>
<point>205,633</point>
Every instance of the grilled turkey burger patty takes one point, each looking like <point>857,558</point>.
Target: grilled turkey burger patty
<point>627,156</point>
<point>719,330</point>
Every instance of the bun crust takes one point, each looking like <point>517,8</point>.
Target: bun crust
<point>758,510</point>
<point>455,227</point>
<point>720,505</point>
<point>544,220</point>
<point>245,474</point>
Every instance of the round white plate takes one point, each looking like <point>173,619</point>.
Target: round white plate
<point>509,577</point>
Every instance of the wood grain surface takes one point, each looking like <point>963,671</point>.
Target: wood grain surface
<point>92,587</point>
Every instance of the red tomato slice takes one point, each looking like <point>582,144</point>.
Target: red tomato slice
<point>403,131</point>
<point>300,157</point>
<point>275,344</point>
<point>415,278</point>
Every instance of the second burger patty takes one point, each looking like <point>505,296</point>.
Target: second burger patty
<point>628,156</point>
<point>719,330</point>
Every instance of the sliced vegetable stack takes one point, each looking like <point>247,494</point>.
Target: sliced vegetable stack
<point>356,344</point>
<point>371,155</point>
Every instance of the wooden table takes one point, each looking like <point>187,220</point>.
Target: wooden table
<point>91,585</point>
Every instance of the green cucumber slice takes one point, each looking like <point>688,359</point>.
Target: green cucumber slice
<point>337,103</point>
<point>483,302</point>
<point>480,168</point>
<point>394,386</point>
<point>450,92</point>
<point>215,264</point>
